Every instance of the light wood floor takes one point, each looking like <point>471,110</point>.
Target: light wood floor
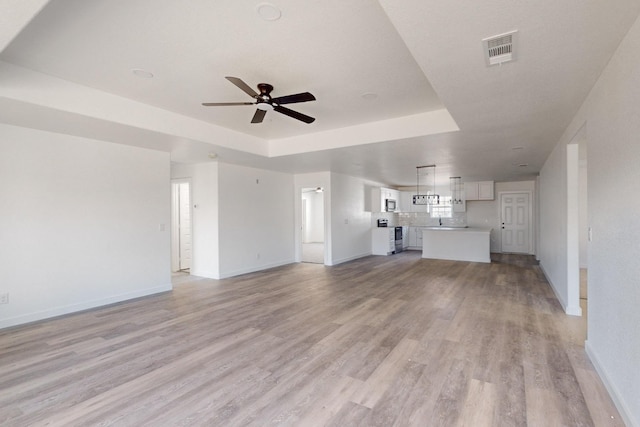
<point>382,341</point>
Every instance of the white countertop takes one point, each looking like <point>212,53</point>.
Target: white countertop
<point>459,229</point>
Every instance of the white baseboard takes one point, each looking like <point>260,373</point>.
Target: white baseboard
<point>256,268</point>
<point>613,391</point>
<point>568,309</point>
<point>86,305</point>
<point>204,273</point>
<point>347,259</point>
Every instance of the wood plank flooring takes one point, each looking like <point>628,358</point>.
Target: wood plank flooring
<point>381,341</point>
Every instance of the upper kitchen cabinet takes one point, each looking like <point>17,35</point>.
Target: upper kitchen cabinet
<point>406,201</point>
<point>379,196</point>
<point>482,190</point>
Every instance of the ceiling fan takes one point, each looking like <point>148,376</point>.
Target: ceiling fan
<point>264,102</point>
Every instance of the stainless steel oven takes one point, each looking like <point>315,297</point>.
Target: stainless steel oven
<point>398,239</point>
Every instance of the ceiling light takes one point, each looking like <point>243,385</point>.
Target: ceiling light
<point>517,148</point>
<point>429,197</point>
<point>523,165</point>
<point>142,73</point>
<point>369,96</point>
<point>212,155</point>
<point>268,12</point>
<point>455,185</point>
<point>264,106</point>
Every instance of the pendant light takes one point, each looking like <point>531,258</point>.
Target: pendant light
<point>455,185</point>
<point>429,197</point>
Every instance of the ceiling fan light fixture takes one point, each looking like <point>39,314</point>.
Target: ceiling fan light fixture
<point>268,12</point>
<point>264,106</point>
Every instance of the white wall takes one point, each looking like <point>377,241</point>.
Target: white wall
<point>256,217</point>
<point>314,232</point>
<point>350,223</point>
<point>204,192</point>
<point>611,113</point>
<point>553,223</point>
<point>486,213</point>
<point>80,223</point>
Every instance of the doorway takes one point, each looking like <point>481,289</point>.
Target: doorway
<point>312,229</point>
<point>181,240</point>
<point>577,224</point>
<point>515,217</point>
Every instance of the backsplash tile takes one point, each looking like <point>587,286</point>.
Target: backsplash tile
<point>423,219</point>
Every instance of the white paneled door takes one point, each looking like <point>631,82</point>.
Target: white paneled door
<point>516,222</point>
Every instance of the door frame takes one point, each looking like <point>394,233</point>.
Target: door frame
<point>530,221</point>
<point>175,226</point>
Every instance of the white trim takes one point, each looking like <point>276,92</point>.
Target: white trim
<point>571,310</point>
<point>257,268</point>
<point>573,230</point>
<point>625,413</point>
<point>74,308</point>
<point>530,220</point>
<point>175,229</point>
<point>351,258</point>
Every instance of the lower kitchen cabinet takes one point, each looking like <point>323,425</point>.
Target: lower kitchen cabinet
<point>415,238</point>
<point>383,241</point>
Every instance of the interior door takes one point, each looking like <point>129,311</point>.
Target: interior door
<point>516,224</point>
<point>184,224</point>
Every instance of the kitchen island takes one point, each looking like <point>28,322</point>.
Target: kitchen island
<point>457,244</point>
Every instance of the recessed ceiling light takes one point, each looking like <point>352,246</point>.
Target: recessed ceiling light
<point>268,12</point>
<point>369,96</point>
<point>523,165</point>
<point>213,155</point>
<point>517,148</point>
<point>142,73</point>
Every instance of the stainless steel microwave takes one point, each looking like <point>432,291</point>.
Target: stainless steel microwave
<point>390,205</point>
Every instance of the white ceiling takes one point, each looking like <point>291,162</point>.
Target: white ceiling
<point>69,70</point>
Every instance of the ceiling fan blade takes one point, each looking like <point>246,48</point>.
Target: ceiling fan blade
<point>294,114</point>
<point>217,104</point>
<point>242,85</point>
<point>258,116</point>
<point>298,97</point>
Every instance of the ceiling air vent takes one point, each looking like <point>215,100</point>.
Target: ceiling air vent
<point>500,48</point>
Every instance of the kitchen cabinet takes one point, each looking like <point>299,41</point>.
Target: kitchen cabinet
<point>406,203</point>
<point>458,244</point>
<point>481,190</point>
<point>379,195</point>
<point>405,237</point>
<point>415,238</point>
<point>383,241</point>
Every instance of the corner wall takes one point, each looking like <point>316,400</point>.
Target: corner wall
<point>350,221</point>
<point>256,217</point>
<point>612,116</point>
<point>203,178</point>
<point>83,223</point>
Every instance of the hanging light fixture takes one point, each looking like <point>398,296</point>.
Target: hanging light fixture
<point>455,185</point>
<point>429,197</point>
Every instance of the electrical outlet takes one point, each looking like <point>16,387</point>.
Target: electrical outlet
<point>4,298</point>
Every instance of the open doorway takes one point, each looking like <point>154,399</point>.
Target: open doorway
<point>583,234</point>
<point>181,241</point>
<point>577,227</point>
<point>312,210</point>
